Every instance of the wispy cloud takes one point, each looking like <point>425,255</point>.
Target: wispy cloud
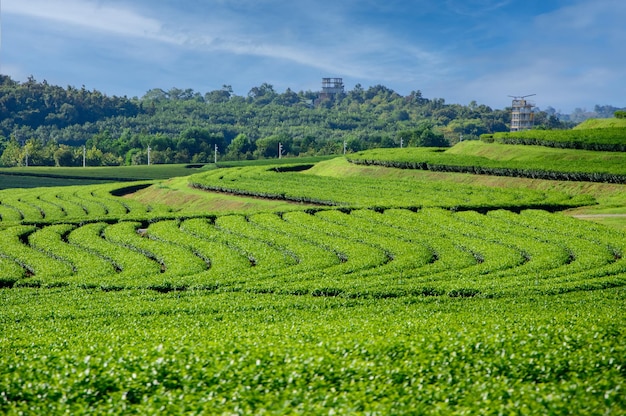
<point>459,50</point>
<point>335,44</point>
<point>475,8</point>
<point>90,15</point>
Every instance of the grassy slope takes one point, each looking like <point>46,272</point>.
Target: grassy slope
<point>611,198</point>
<point>547,155</point>
<point>176,194</point>
<point>601,123</point>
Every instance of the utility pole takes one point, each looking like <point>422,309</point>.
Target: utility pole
<point>149,155</point>
<point>345,146</point>
<point>84,156</point>
<point>401,142</point>
<point>216,154</point>
<point>280,150</point>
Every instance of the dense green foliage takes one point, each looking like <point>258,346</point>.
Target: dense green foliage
<point>33,104</point>
<point>620,114</point>
<point>46,125</point>
<point>93,352</point>
<point>379,302</point>
<point>504,160</point>
<point>605,139</point>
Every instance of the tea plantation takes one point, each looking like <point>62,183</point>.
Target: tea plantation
<point>368,296</point>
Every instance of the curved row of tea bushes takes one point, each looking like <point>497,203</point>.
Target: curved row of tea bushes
<point>367,192</point>
<point>52,240</point>
<point>33,261</point>
<point>131,267</point>
<point>562,165</point>
<point>174,260</point>
<point>352,253</point>
<point>66,204</point>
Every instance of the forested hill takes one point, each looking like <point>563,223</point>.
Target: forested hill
<point>42,124</point>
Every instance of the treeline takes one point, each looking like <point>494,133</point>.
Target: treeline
<point>49,125</point>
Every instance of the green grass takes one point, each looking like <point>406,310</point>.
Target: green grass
<point>601,123</point>
<point>272,162</point>
<point>20,181</point>
<point>180,197</point>
<point>33,177</point>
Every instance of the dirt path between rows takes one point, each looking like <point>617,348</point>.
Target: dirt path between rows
<point>599,216</point>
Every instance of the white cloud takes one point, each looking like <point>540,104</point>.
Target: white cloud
<point>333,43</point>
<point>90,15</point>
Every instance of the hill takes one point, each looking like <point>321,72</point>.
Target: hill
<point>601,123</point>
<point>504,160</point>
<point>51,124</point>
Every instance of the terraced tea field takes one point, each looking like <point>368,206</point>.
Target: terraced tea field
<point>359,254</point>
<point>369,296</point>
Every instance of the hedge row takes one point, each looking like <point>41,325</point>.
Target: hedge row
<point>498,171</point>
<point>611,139</point>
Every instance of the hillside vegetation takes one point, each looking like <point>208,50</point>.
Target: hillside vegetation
<point>45,125</point>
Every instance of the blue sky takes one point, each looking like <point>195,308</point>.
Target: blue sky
<point>571,53</point>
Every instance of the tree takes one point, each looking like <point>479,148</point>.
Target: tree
<point>268,146</point>
<point>156,94</point>
<point>262,95</point>
<point>219,96</point>
<point>354,144</point>
<point>288,98</point>
<point>195,140</point>
<point>425,135</point>
<point>95,157</point>
<point>64,156</point>
<point>12,154</point>
<point>239,147</point>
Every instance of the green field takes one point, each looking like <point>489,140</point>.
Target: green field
<point>312,287</point>
<point>39,176</point>
<point>33,177</point>
<point>593,134</point>
<point>478,157</point>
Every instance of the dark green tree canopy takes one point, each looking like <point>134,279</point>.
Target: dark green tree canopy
<point>183,125</point>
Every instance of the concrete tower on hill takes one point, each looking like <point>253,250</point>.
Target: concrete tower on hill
<point>331,87</point>
<point>522,115</point>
